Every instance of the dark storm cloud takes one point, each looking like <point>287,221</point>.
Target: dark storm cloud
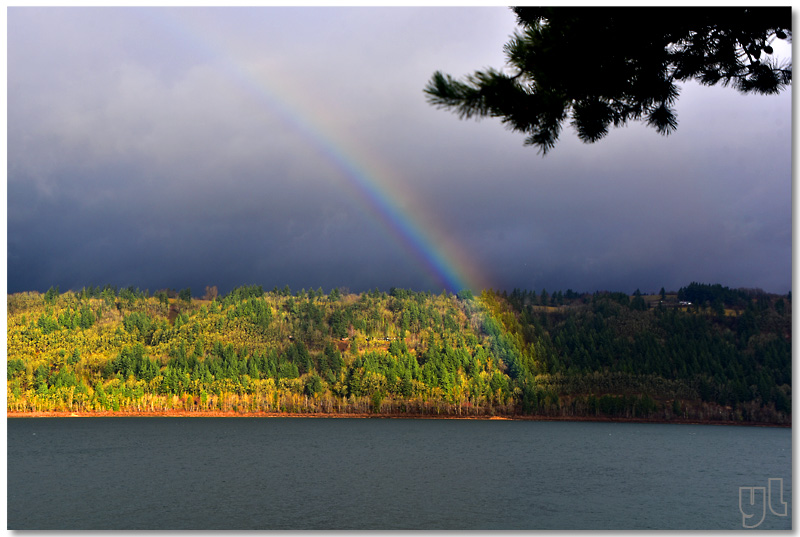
<point>165,148</point>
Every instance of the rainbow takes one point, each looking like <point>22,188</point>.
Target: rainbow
<point>445,262</point>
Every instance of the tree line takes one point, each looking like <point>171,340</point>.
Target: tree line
<point>602,354</point>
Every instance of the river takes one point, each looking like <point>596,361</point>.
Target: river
<point>383,474</point>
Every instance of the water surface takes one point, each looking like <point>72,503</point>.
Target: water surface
<point>340,473</point>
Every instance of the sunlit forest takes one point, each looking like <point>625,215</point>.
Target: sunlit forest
<point>705,352</point>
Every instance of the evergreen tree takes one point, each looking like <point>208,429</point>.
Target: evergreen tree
<point>600,67</point>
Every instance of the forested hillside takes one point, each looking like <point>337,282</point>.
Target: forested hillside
<point>705,353</point>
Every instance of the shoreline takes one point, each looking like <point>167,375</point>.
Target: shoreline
<point>236,414</point>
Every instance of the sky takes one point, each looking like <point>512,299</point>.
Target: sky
<point>191,147</point>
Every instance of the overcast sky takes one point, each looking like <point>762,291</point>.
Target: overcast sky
<point>185,147</point>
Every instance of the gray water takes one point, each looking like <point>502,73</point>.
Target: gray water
<point>296,473</point>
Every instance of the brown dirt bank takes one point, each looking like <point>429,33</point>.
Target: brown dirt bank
<point>232,414</point>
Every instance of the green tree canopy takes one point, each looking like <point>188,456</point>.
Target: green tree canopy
<point>600,67</point>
